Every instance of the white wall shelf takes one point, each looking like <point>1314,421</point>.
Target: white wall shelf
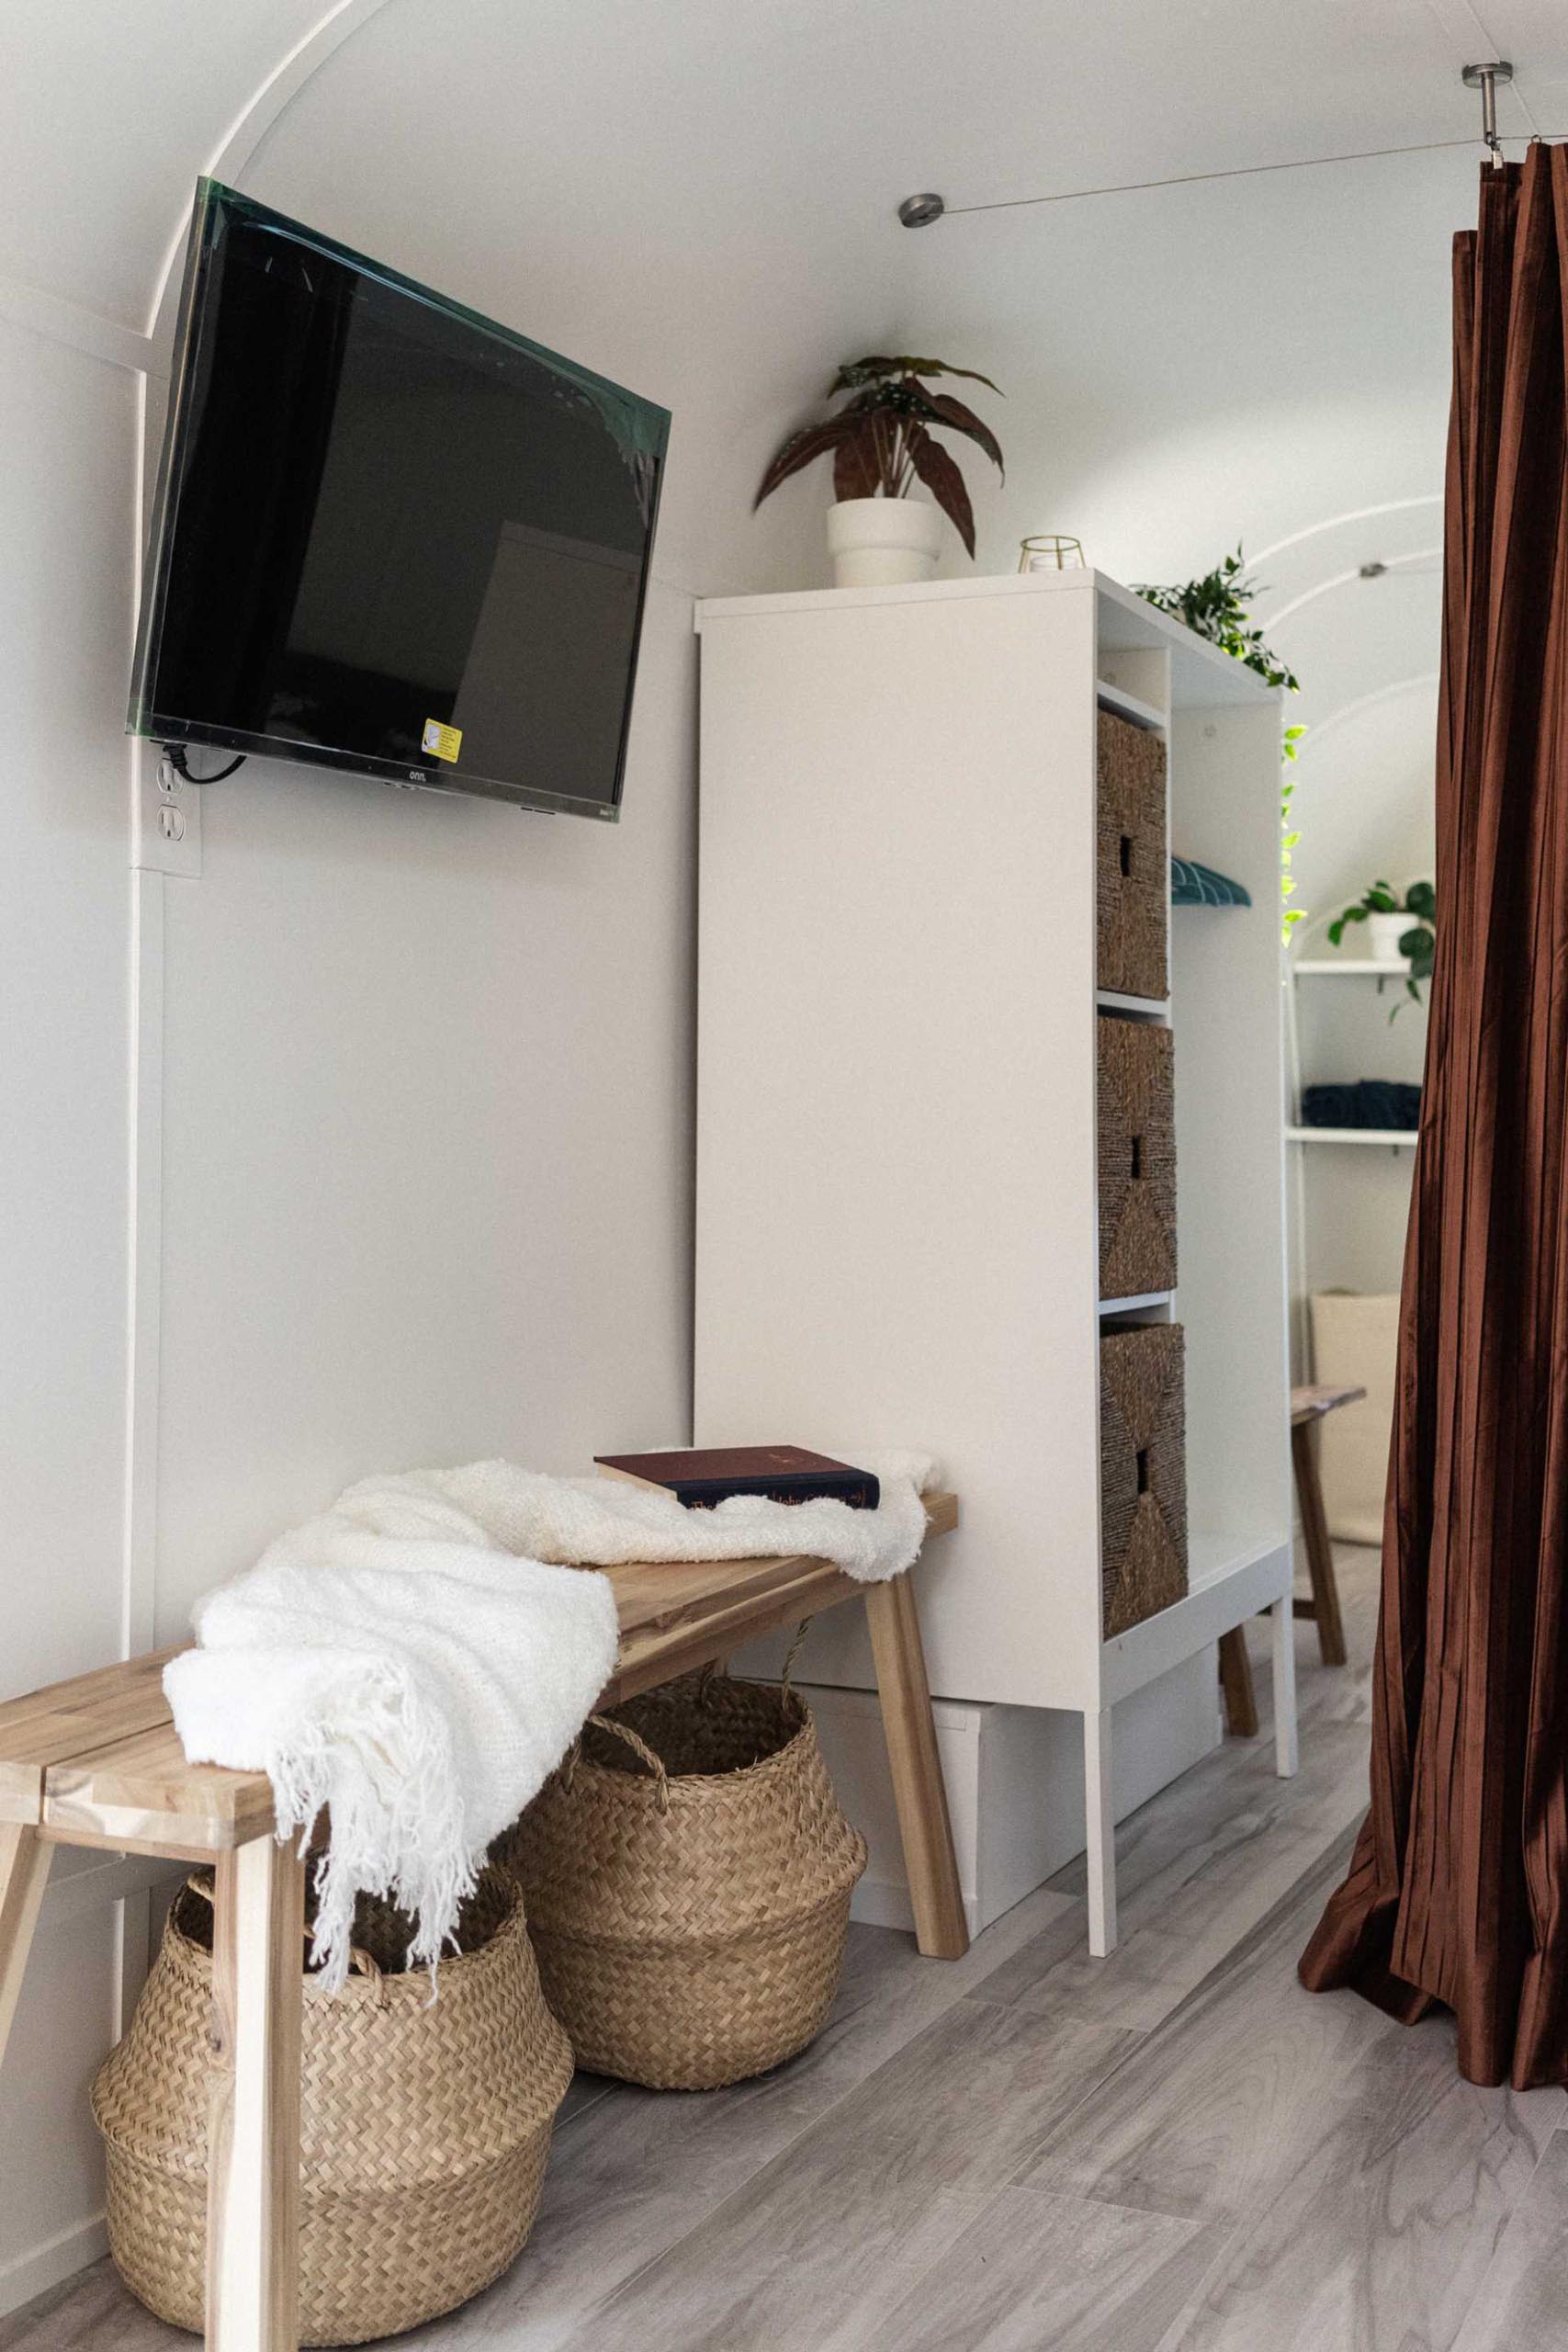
<point>1129,706</point>
<point>1230,1577</point>
<point>898,909</point>
<point>1354,967</point>
<point>1148,1008</point>
<point>1396,1139</point>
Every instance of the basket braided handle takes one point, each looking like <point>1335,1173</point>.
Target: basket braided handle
<point>641,1750</point>
<point>786,1690</point>
<point>359,1961</point>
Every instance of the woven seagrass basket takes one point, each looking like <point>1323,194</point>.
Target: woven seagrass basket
<point>688,1878</point>
<point>424,2125</point>
<point>1133,864</point>
<point>1143,1473</point>
<point>1136,1149</point>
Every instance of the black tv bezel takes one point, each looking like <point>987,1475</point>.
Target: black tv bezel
<point>214,205</point>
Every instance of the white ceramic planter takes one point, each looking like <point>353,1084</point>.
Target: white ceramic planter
<point>1383,935</point>
<point>883,542</point>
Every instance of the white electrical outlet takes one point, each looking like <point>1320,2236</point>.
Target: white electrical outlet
<point>168,817</point>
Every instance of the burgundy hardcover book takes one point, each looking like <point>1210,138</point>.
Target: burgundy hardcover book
<point>784,1474</point>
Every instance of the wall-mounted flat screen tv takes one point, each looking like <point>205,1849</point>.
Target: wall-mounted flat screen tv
<point>391,535</point>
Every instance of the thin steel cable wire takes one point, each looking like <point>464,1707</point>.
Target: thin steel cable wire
<point>1241,172</point>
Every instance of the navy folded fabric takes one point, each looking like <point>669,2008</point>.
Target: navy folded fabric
<point>1368,1102</point>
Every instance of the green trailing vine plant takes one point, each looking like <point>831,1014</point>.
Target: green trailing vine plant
<point>1215,605</point>
<point>1289,743</point>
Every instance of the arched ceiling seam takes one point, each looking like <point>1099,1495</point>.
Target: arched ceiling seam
<point>1336,522</point>
<point>256,118</point>
<point>1396,563</point>
<point>1322,727</point>
<point>82,328</point>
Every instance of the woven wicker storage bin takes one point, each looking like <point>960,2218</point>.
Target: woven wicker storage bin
<point>1143,1473</point>
<point>1137,1158</point>
<point>1133,882</point>
<point>425,2126</point>
<point>688,1899</point>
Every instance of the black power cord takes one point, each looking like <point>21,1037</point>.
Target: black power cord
<point>176,755</point>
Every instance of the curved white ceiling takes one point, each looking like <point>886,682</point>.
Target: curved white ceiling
<point>109,107</point>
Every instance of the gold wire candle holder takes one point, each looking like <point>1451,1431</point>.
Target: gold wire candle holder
<point>1050,552</point>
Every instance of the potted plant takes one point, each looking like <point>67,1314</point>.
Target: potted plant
<point>1215,605</point>
<point>882,444</point>
<point>1400,933</point>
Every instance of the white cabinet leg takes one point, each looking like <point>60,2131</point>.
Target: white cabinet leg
<point>1284,1677</point>
<point>1100,1823</point>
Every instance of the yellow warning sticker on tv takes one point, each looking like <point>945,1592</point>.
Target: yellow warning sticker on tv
<point>445,742</point>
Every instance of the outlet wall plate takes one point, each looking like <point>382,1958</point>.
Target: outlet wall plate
<point>167,816</point>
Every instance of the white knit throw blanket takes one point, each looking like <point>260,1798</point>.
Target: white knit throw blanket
<point>411,1660</point>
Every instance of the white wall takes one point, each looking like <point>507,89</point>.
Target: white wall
<point>1185,366</point>
<point>405,1084</point>
<point>427,1098</point>
<point>1268,360</point>
<point>67,425</point>
<point>1366,652</point>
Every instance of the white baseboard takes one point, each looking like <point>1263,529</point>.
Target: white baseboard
<point>885,1903</point>
<point>80,1883</point>
<point>28,2275</point>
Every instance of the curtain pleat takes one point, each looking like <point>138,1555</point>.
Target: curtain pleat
<point>1456,1889</point>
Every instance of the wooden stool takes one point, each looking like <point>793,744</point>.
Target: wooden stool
<point>96,1762</point>
<point>1308,1405</point>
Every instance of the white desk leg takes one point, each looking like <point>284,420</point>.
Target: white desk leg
<point>1100,1823</point>
<point>252,2207</point>
<point>1284,1678</point>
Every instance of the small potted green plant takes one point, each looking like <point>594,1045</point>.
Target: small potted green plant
<point>882,445</point>
<point>1401,932</point>
<point>1216,606</point>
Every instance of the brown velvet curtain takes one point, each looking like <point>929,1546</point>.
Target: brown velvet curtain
<point>1458,1890</point>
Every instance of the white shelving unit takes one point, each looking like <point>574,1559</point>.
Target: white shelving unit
<point>1350,1185</point>
<point>1392,1138</point>
<point>1335,968</point>
<point>897,1212</point>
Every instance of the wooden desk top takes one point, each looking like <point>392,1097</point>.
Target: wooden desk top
<point>95,1761</point>
<point>1311,1403</point>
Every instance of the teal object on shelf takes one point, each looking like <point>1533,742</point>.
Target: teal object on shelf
<point>1192,884</point>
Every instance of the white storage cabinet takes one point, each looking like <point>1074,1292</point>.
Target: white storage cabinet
<point>896,1233</point>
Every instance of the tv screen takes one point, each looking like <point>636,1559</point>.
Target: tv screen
<point>391,535</point>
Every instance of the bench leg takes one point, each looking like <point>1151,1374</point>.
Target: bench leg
<point>1320,1559</point>
<point>941,1928</point>
<point>24,1869</point>
<point>1100,1824</point>
<point>1235,1679</point>
<point>253,2208</point>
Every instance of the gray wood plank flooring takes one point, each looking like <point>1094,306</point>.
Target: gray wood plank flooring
<point>1175,2150</point>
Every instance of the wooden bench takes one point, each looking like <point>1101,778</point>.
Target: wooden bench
<point>1309,1406</point>
<point>96,1762</point>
